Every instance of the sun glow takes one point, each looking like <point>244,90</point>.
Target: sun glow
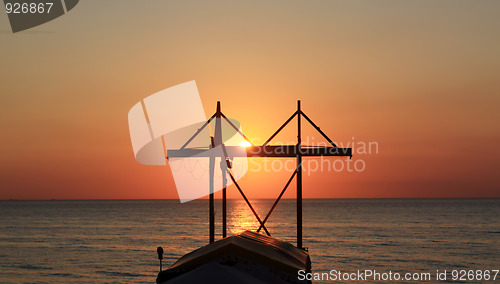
<point>245,144</point>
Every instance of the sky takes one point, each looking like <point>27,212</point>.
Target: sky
<point>421,79</point>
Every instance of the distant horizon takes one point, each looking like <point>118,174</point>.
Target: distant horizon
<point>206,199</point>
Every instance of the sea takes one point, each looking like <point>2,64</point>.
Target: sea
<point>115,241</point>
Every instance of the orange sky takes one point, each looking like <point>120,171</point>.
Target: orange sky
<point>420,78</point>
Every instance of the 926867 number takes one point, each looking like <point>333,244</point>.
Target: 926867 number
<point>28,8</point>
<point>474,275</point>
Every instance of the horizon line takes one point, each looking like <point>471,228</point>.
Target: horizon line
<point>206,199</point>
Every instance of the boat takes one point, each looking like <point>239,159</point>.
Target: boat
<point>246,257</point>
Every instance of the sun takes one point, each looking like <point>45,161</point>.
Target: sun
<point>245,143</point>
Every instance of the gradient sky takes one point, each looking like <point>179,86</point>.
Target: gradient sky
<point>421,78</point>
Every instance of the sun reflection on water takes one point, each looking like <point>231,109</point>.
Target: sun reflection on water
<point>241,217</point>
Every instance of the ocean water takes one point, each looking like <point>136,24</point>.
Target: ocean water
<point>116,241</point>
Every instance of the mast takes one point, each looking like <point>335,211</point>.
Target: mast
<point>299,179</point>
<point>211,197</point>
<point>223,164</point>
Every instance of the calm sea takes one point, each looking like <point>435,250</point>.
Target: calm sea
<point>116,241</point>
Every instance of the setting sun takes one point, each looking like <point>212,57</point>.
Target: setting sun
<point>245,144</point>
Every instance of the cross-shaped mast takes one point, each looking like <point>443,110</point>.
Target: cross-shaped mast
<point>271,151</point>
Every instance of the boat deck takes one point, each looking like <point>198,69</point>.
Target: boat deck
<point>247,257</point>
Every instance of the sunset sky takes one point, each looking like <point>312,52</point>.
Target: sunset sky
<point>419,78</point>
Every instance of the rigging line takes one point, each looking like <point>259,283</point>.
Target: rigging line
<point>198,132</point>
<point>236,128</point>
<point>248,203</point>
<point>279,129</point>
<point>277,200</point>
<point>318,129</point>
